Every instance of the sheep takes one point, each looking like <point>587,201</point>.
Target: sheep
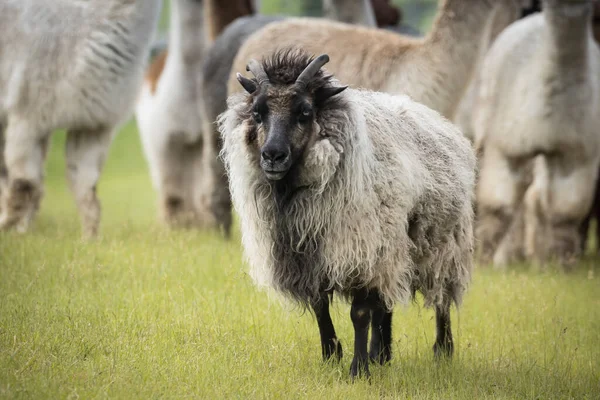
<point>350,191</point>
<point>433,70</point>
<point>536,126</point>
<point>72,65</point>
<point>213,87</point>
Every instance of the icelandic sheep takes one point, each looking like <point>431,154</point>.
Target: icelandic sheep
<point>433,70</point>
<point>356,192</point>
<point>214,75</point>
<point>74,65</point>
<point>536,126</point>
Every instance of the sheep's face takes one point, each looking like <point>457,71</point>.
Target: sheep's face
<point>282,109</point>
<point>284,126</point>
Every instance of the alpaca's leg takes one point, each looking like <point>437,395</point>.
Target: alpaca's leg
<point>179,164</point>
<point>86,152</point>
<point>213,184</point>
<point>24,156</point>
<point>360,313</point>
<point>220,199</point>
<point>568,199</point>
<point>500,191</point>
<point>23,225</point>
<point>330,345</point>
<point>584,230</point>
<point>381,335</point>
<point>444,345</point>
<point>3,170</point>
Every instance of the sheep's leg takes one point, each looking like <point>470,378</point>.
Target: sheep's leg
<point>360,313</point>
<point>86,152</point>
<point>502,185</point>
<point>444,345</point>
<point>330,345</point>
<point>24,155</point>
<point>381,335</point>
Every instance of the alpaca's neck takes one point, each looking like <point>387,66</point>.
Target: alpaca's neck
<point>186,35</point>
<point>358,12</point>
<point>568,33</point>
<point>126,23</point>
<point>454,45</point>
<point>220,13</point>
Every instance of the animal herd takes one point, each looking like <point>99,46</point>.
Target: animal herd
<point>332,140</point>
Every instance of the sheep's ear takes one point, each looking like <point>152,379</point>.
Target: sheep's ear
<point>327,92</point>
<point>246,83</point>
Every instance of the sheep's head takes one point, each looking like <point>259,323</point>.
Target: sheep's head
<point>283,106</point>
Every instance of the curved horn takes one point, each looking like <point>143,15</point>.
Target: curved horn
<point>258,71</point>
<point>311,70</point>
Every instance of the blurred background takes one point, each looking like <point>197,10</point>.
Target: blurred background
<point>416,13</point>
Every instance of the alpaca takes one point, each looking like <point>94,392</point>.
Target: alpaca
<point>434,70</point>
<point>536,126</point>
<point>169,113</point>
<point>66,65</point>
<point>313,169</point>
<point>221,13</point>
<point>359,12</point>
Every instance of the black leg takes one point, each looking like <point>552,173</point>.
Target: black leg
<point>444,345</point>
<point>330,345</point>
<point>360,313</point>
<point>381,336</point>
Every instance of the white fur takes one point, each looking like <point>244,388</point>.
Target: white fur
<point>169,119</point>
<point>73,65</point>
<point>539,96</point>
<point>376,164</point>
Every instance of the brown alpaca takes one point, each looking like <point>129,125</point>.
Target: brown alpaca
<point>434,70</point>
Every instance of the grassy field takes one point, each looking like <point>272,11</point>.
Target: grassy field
<point>147,313</point>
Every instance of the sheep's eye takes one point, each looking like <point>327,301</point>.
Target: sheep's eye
<point>257,117</point>
<point>305,115</point>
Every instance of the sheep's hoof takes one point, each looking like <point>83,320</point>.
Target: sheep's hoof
<point>359,369</point>
<point>381,356</point>
<point>443,350</point>
<point>333,350</point>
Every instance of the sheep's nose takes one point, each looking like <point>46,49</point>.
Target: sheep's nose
<point>274,155</point>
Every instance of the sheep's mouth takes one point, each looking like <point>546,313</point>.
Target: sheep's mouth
<point>275,174</point>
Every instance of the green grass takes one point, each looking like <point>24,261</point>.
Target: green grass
<point>148,313</point>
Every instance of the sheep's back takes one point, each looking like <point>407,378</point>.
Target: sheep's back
<point>425,172</point>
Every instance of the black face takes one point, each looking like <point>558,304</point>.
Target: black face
<point>284,127</point>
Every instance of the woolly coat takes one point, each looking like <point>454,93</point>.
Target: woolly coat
<point>385,201</point>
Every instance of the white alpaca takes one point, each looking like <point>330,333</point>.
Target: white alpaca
<point>65,64</point>
<point>169,115</point>
<point>539,97</point>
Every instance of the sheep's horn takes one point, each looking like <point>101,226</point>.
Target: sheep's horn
<point>258,71</point>
<point>311,70</point>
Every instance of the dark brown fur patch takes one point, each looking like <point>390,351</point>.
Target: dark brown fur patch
<point>155,70</point>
